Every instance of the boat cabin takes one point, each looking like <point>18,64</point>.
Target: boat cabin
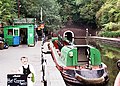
<point>73,55</point>
<point>80,55</point>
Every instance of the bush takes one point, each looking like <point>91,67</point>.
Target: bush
<point>111,34</point>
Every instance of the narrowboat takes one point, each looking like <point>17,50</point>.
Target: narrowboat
<point>79,64</point>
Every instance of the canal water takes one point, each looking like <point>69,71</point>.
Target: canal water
<point>110,55</point>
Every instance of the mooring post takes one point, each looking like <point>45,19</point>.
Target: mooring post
<point>87,37</point>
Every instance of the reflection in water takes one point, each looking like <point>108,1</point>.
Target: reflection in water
<point>110,56</point>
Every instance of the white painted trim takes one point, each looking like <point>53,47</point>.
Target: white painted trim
<point>70,32</point>
<point>14,30</point>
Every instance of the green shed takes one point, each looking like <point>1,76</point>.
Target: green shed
<point>20,34</point>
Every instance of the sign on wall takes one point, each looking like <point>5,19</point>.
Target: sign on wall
<point>24,21</point>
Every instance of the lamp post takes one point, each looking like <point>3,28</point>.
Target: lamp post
<point>41,15</point>
<point>42,26</point>
<point>19,8</point>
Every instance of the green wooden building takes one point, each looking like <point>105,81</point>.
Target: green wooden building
<point>20,34</point>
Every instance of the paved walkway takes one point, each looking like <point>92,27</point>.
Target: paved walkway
<point>10,61</point>
<point>53,75</point>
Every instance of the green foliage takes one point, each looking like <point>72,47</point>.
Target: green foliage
<point>51,14</point>
<point>88,9</point>
<point>7,10</point>
<point>110,34</point>
<point>28,8</point>
<point>104,13</point>
<point>109,15</point>
<point>67,9</point>
<point>111,26</point>
<point>83,11</point>
<point>31,9</point>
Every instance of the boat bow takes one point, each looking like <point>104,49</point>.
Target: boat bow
<point>90,80</point>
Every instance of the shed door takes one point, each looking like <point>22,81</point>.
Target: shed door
<point>30,35</point>
<point>16,38</point>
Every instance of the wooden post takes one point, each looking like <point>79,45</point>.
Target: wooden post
<point>87,39</point>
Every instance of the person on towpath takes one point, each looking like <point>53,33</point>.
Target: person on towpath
<point>28,70</point>
<point>117,80</point>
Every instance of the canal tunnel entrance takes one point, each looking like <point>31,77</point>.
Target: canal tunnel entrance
<point>69,35</point>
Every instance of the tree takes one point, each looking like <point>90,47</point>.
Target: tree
<point>80,11</point>
<point>7,10</point>
<point>108,17</point>
<point>51,17</point>
<point>51,14</point>
<point>88,9</point>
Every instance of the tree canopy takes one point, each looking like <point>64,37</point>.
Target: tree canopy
<point>7,10</point>
<point>104,14</point>
<point>32,8</point>
<point>108,18</point>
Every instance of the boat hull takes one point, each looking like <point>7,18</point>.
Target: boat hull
<point>80,75</point>
<point>73,78</point>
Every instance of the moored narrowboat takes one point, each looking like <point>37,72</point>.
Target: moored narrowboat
<point>78,64</point>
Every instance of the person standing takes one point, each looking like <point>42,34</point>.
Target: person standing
<point>28,70</point>
<point>117,80</point>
